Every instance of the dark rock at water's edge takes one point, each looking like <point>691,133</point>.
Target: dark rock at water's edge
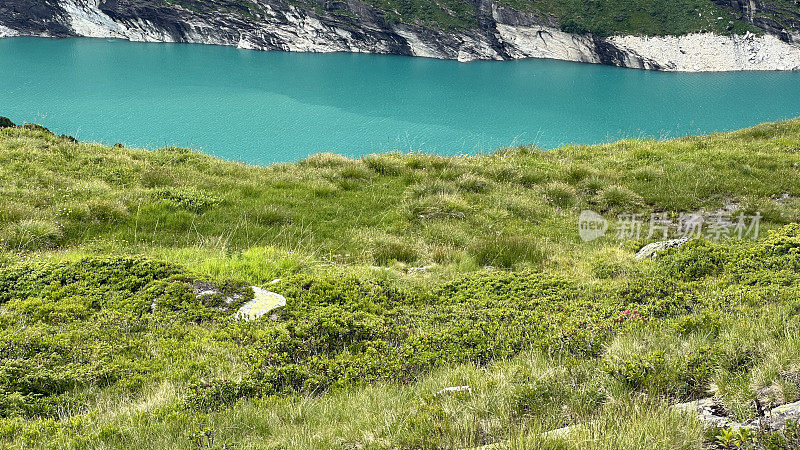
<point>5,122</point>
<point>613,56</point>
<point>39,18</point>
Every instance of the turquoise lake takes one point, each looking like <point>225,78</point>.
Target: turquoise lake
<point>263,107</point>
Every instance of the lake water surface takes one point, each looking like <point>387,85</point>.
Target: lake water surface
<point>263,107</point>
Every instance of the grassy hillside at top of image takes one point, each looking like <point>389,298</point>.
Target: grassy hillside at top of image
<point>648,17</point>
<point>516,208</point>
<point>600,17</point>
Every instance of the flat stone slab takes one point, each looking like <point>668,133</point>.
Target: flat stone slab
<point>561,432</point>
<point>263,302</point>
<point>455,389</point>
<point>652,250</point>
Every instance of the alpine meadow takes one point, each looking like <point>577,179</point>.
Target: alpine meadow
<point>430,301</point>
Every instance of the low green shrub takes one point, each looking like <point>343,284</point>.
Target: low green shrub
<point>214,394</point>
<point>695,260</point>
<point>604,269</point>
<point>744,438</point>
<point>708,323</point>
<point>87,324</point>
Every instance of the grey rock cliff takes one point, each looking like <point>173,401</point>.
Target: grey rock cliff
<point>354,26</point>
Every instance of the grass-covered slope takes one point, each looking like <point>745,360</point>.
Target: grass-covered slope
<point>600,17</point>
<point>403,274</point>
<point>645,17</point>
<point>513,208</point>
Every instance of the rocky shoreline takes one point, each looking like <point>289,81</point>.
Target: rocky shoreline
<point>504,34</point>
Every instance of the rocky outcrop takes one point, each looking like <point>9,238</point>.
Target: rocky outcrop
<point>355,26</point>
<point>710,52</point>
<point>711,412</point>
<point>652,250</point>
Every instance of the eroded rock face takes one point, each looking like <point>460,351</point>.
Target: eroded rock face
<point>354,26</point>
<point>709,52</point>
